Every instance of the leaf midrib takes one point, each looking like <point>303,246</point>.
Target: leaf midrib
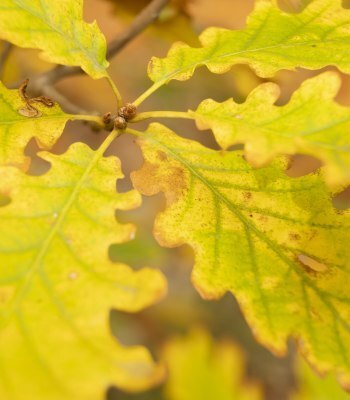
<point>36,264</point>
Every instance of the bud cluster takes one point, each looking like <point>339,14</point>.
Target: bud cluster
<point>125,114</point>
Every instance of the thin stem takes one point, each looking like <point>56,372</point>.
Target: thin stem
<point>162,114</point>
<point>147,93</point>
<point>134,132</point>
<point>115,90</point>
<point>57,96</point>
<point>91,118</point>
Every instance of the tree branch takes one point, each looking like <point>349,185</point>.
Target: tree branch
<point>146,17</point>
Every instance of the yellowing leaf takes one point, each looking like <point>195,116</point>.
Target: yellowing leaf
<point>255,233</point>
<point>311,123</point>
<point>16,129</point>
<point>312,387</point>
<point>57,29</point>
<point>57,284</point>
<point>272,40</point>
<point>200,369</point>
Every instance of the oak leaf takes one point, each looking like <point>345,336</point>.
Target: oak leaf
<point>57,284</point>
<point>274,241</point>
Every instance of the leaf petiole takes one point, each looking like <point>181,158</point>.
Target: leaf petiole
<point>115,90</point>
<point>162,114</point>
<point>92,118</point>
<point>147,93</point>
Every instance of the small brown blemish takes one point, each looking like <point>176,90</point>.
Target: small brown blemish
<point>294,236</point>
<point>247,195</point>
<point>161,155</point>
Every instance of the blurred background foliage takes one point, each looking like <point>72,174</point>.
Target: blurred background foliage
<point>221,360</point>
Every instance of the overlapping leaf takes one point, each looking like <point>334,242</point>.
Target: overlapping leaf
<point>311,123</point>
<point>272,40</point>
<point>199,368</point>
<point>276,242</point>
<point>16,129</point>
<point>57,283</point>
<point>57,29</point>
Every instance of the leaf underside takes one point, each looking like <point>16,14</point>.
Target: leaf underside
<point>272,40</point>
<point>57,29</point>
<point>311,123</point>
<point>57,283</point>
<point>275,242</point>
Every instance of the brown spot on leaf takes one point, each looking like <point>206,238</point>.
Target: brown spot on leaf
<point>294,236</point>
<point>161,155</point>
<point>247,195</point>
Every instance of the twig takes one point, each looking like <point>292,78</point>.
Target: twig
<point>66,104</point>
<point>146,17</point>
<point>4,55</point>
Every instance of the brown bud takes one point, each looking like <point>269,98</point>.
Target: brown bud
<point>128,112</point>
<point>106,118</point>
<point>121,112</point>
<point>120,123</point>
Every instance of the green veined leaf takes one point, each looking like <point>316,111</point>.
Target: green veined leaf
<point>199,368</point>
<point>16,129</point>
<point>275,242</point>
<point>58,29</point>
<point>311,123</point>
<point>272,40</point>
<point>57,283</point>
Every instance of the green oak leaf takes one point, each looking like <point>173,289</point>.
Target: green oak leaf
<point>274,241</point>
<point>272,40</point>
<point>57,29</point>
<point>57,284</point>
<point>311,123</point>
<point>16,129</point>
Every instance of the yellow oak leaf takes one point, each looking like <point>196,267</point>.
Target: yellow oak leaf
<point>57,283</point>
<point>272,40</point>
<point>57,29</point>
<point>274,241</point>
<point>311,123</point>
